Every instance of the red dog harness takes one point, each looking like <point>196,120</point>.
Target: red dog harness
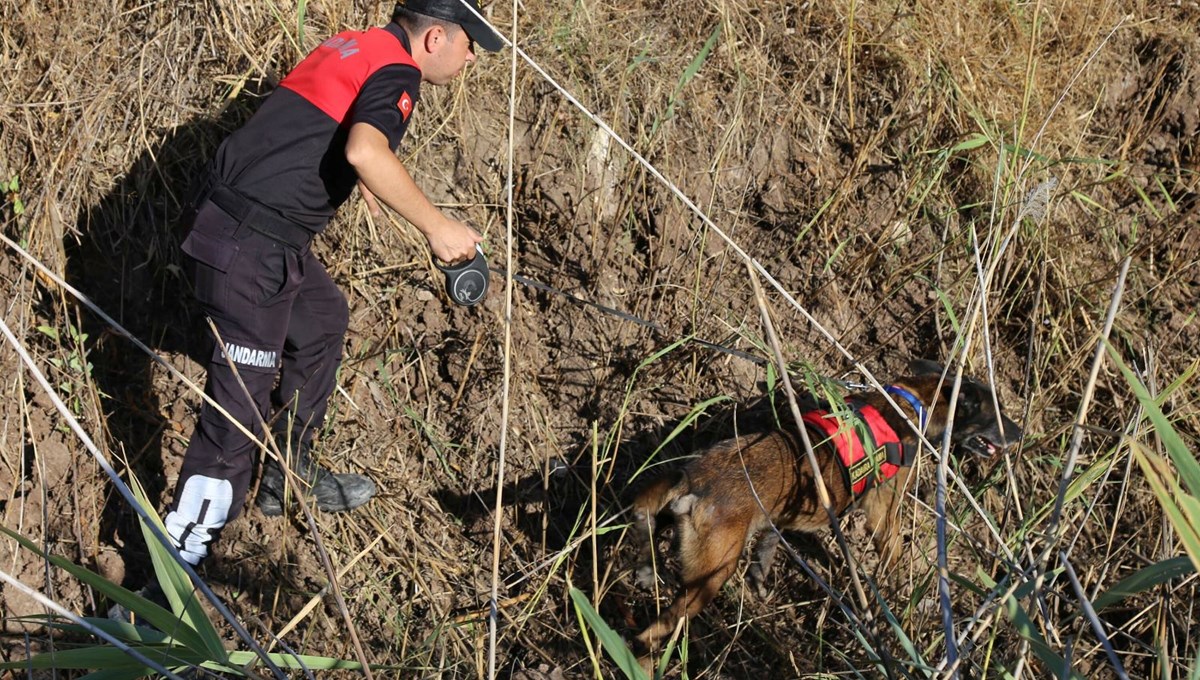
<point>861,470</point>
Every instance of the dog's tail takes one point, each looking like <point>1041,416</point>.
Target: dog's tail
<point>652,499</point>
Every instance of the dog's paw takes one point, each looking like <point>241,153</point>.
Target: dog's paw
<point>645,577</point>
<point>757,580</point>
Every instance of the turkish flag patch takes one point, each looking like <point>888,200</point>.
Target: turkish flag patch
<point>405,105</point>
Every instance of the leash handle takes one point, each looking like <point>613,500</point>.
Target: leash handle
<point>466,282</point>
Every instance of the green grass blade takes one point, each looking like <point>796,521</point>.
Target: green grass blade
<point>693,415</point>
<point>902,638</point>
<point>686,77</point>
<point>115,674</point>
<point>1056,664</point>
<point>947,305</point>
<point>612,642</point>
<point>973,142</point>
<point>155,615</point>
<point>126,632</point>
<point>107,658</point>
<point>1182,507</point>
<point>176,585</point>
<point>1144,579</point>
<point>316,663</point>
<point>658,354</point>
<point>301,15</point>
<point>1022,152</point>
<point>694,67</point>
<point>1184,459</point>
<point>1166,489</point>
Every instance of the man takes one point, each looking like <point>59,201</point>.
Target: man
<point>335,121</point>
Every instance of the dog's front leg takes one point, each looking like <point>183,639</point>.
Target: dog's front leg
<point>883,509</point>
<point>764,557</point>
<point>644,526</point>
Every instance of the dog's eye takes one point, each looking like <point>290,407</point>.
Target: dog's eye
<point>968,402</point>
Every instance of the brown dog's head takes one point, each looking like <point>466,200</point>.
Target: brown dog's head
<point>979,428</point>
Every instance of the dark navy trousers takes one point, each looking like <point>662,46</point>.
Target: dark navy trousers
<point>280,325</point>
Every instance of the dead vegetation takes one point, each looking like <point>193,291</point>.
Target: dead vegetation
<point>891,166</point>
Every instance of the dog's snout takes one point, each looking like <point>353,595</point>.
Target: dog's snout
<point>985,432</point>
<point>1010,434</point>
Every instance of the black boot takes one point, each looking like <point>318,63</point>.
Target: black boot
<point>151,591</point>
<point>332,492</point>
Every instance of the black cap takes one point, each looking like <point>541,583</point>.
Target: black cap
<point>457,11</point>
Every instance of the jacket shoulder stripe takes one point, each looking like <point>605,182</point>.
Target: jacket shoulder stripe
<point>332,75</point>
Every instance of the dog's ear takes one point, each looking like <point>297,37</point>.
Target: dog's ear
<point>925,367</point>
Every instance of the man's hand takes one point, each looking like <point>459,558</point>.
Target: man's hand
<point>369,199</point>
<point>454,242</point>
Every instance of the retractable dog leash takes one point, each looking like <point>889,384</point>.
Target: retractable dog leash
<point>467,282</point>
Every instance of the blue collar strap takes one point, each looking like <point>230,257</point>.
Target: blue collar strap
<point>912,400</point>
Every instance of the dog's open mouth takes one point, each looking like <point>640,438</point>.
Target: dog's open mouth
<point>982,446</point>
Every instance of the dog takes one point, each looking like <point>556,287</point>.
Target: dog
<point>715,499</point>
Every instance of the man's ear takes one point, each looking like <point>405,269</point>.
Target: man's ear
<point>433,38</point>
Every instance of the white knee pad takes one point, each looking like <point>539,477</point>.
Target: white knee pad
<point>202,510</point>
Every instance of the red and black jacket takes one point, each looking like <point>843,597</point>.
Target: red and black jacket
<point>290,156</point>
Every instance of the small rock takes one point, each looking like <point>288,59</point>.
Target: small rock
<point>542,672</point>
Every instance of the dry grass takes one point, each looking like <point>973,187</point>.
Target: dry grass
<point>865,155</point>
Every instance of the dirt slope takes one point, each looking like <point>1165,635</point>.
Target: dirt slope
<point>874,160</point>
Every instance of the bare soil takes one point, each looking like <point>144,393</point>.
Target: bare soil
<point>865,156</point>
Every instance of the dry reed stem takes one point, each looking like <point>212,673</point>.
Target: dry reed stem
<point>810,455</point>
<point>763,137</point>
<point>156,529</point>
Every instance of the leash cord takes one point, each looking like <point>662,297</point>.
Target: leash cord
<point>626,316</point>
